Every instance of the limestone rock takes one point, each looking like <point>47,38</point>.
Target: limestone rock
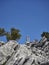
<point>13,53</point>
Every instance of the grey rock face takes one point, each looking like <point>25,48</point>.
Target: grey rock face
<point>6,51</point>
<point>13,53</point>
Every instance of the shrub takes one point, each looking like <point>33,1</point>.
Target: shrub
<point>46,34</point>
<point>14,34</point>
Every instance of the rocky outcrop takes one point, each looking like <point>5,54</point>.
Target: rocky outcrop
<point>32,53</point>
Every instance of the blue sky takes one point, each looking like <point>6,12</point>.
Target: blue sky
<point>30,16</point>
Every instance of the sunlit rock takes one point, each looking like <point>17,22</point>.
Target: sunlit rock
<point>13,53</point>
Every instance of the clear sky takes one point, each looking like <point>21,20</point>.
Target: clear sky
<point>30,16</point>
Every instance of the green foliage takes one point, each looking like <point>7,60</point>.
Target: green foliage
<point>14,34</point>
<point>2,32</point>
<point>8,36</point>
<point>46,34</point>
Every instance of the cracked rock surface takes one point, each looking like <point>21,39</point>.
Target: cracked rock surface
<point>12,53</point>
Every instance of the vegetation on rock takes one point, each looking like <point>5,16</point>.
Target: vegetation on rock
<point>2,32</point>
<point>14,34</point>
<point>46,34</point>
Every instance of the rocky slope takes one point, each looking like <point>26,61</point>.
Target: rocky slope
<point>33,53</point>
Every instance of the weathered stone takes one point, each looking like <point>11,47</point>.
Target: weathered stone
<point>13,53</point>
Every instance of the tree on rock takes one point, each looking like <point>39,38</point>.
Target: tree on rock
<point>14,34</point>
<point>46,34</point>
<point>8,36</point>
<point>2,31</point>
